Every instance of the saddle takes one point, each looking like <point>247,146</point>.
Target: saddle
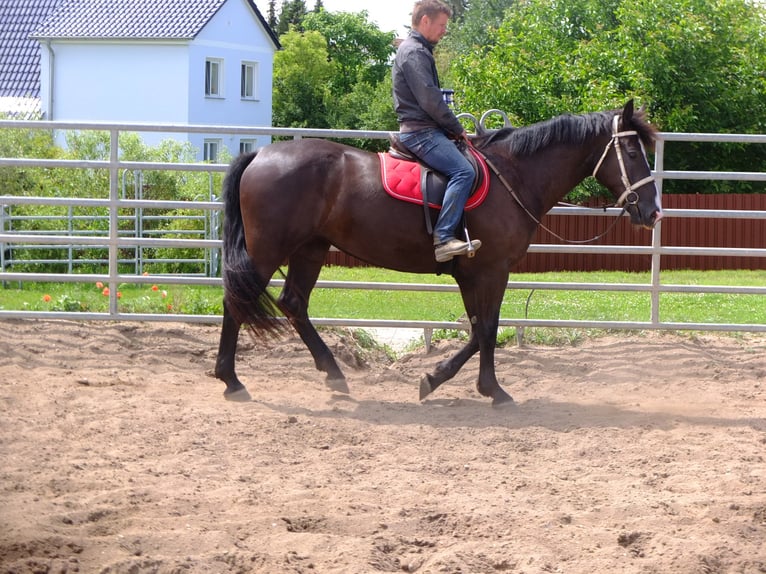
<point>406,179</point>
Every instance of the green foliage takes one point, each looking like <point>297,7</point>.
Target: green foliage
<point>94,183</point>
<point>697,64</point>
<point>367,107</point>
<point>19,143</point>
<point>291,16</point>
<point>302,77</point>
<point>271,17</point>
<point>335,74</point>
<point>359,51</point>
<point>470,30</point>
<point>191,225</point>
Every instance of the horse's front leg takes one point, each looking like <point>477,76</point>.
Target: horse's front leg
<point>482,295</point>
<point>224,363</point>
<point>487,384</point>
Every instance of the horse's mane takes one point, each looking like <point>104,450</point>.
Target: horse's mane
<point>566,129</point>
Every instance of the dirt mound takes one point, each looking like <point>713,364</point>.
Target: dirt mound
<point>640,453</point>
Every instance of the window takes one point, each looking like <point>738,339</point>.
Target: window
<point>214,78</point>
<point>246,146</point>
<point>248,80</point>
<point>210,150</point>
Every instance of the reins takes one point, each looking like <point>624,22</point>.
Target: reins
<point>628,197</point>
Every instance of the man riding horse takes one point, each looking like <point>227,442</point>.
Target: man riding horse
<point>428,126</point>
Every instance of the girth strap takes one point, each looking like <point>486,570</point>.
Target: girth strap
<point>424,173</point>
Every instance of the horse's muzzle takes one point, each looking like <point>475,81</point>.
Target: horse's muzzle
<point>644,216</point>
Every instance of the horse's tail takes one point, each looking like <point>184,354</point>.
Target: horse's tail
<point>245,292</point>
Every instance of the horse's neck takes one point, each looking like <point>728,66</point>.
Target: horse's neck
<point>544,178</point>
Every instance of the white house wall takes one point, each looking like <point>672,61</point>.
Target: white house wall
<point>234,35</point>
<point>119,81</point>
<point>163,81</point>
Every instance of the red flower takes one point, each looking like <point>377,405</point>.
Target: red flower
<point>155,288</point>
<point>47,298</point>
<point>99,285</point>
<point>105,292</point>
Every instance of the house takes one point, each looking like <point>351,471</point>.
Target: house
<point>20,57</point>
<point>159,61</point>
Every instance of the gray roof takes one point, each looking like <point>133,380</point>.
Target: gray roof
<point>134,19</point>
<point>19,54</point>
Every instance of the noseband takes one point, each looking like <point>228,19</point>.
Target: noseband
<point>628,196</point>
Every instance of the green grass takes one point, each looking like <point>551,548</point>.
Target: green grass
<point>88,297</point>
<point>430,306</point>
<point>549,304</point>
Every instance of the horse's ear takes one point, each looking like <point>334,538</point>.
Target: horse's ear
<point>627,112</point>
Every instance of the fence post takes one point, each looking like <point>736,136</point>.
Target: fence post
<point>70,231</point>
<point>114,221</point>
<point>215,254</point>
<point>2,245</point>
<point>659,166</point>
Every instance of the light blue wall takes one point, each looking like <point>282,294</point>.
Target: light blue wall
<point>145,82</point>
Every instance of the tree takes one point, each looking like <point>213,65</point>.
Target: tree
<point>272,16</point>
<point>291,14</point>
<point>335,74</point>
<point>302,76</point>
<point>695,63</point>
<point>26,143</point>
<point>359,50</point>
<point>367,107</point>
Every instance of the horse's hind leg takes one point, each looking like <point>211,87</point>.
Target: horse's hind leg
<point>224,364</point>
<point>303,270</point>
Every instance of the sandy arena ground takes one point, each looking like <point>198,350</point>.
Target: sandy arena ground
<point>624,454</point>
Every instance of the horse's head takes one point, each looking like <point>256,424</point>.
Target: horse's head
<point>624,168</point>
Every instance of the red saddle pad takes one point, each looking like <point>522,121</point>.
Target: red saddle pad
<point>401,180</point>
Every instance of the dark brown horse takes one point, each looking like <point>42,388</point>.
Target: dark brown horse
<point>292,200</point>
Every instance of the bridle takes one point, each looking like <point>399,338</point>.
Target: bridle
<point>629,196</point>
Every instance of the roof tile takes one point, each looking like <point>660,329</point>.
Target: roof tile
<point>19,54</point>
<point>122,19</point>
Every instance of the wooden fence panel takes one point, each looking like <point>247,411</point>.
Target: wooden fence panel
<point>676,232</point>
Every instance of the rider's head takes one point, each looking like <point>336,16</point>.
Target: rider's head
<point>430,17</point>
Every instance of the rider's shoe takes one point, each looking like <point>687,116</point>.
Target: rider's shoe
<point>447,250</point>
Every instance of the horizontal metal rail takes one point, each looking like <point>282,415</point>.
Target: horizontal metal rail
<point>117,239</point>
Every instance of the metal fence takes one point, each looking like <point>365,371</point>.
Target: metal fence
<point>118,238</point>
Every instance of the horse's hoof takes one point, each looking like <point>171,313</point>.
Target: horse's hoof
<point>502,400</point>
<point>238,396</point>
<point>425,387</point>
<point>337,385</point>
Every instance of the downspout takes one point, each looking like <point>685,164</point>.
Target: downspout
<point>51,62</point>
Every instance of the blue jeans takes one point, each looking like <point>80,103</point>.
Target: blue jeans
<point>435,149</point>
